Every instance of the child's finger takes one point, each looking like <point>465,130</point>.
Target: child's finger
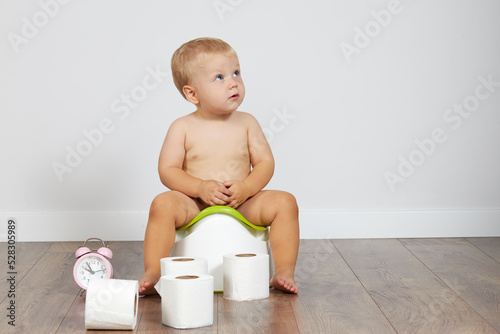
<point>221,198</point>
<point>225,190</point>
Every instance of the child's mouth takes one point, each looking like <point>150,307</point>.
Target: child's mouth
<point>234,97</point>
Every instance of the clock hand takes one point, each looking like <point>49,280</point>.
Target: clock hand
<point>90,269</point>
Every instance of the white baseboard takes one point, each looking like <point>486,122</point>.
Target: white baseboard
<point>78,226</point>
<point>400,224</point>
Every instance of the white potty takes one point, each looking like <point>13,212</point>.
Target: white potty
<point>219,230</point>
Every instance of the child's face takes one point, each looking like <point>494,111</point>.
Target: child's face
<point>218,85</point>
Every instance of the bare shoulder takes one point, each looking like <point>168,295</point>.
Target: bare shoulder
<point>183,121</point>
<point>181,124</point>
<point>242,115</point>
<point>246,118</point>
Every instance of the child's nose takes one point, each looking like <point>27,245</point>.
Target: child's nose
<point>233,83</point>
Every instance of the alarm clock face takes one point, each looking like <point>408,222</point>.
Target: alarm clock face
<point>91,267</point>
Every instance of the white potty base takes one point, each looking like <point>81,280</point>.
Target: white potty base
<point>217,234</point>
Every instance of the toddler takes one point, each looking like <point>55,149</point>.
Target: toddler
<point>217,156</point>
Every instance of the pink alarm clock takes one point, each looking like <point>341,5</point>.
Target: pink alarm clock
<point>92,264</point>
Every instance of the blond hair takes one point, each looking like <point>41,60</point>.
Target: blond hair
<point>191,53</point>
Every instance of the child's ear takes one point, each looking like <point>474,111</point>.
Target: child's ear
<point>190,94</point>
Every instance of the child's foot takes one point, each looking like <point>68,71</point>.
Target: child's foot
<point>283,280</point>
<point>147,284</point>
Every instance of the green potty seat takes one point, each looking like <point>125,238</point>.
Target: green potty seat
<point>222,209</point>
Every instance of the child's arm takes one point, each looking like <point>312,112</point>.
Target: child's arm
<point>262,160</point>
<point>175,178</point>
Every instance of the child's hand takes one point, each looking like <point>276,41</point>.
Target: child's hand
<point>240,193</point>
<point>214,193</point>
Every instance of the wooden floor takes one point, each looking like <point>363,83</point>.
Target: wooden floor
<point>346,286</point>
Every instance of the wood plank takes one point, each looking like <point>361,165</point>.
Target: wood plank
<point>150,315</point>
<point>332,300</point>
<point>413,299</point>
<point>74,320</point>
<point>270,315</point>
<point>66,247</point>
<point>128,262</point>
<point>469,272</point>
<point>316,246</point>
<point>490,246</point>
<point>44,295</point>
<point>26,255</point>
<point>423,286</point>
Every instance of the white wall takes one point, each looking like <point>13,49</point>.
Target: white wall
<point>345,90</point>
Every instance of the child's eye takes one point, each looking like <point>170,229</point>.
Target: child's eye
<point>219,77</point>
<point>236,73</point>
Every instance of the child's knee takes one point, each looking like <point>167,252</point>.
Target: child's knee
<point>287,201</point>
<point>158,202</point>
<point>163,202</point>
<point>171,206</point>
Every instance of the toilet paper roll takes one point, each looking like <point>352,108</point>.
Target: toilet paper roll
<point>246,276</point>
<point>111,304</point>
<point>183,266</point>
<point>187,301</point>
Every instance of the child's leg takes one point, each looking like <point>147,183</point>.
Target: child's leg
<point>279,210</point>
<point>168,211</point>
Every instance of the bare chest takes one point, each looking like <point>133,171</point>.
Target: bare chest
<point>220,154</point>
<point>204,143</point>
